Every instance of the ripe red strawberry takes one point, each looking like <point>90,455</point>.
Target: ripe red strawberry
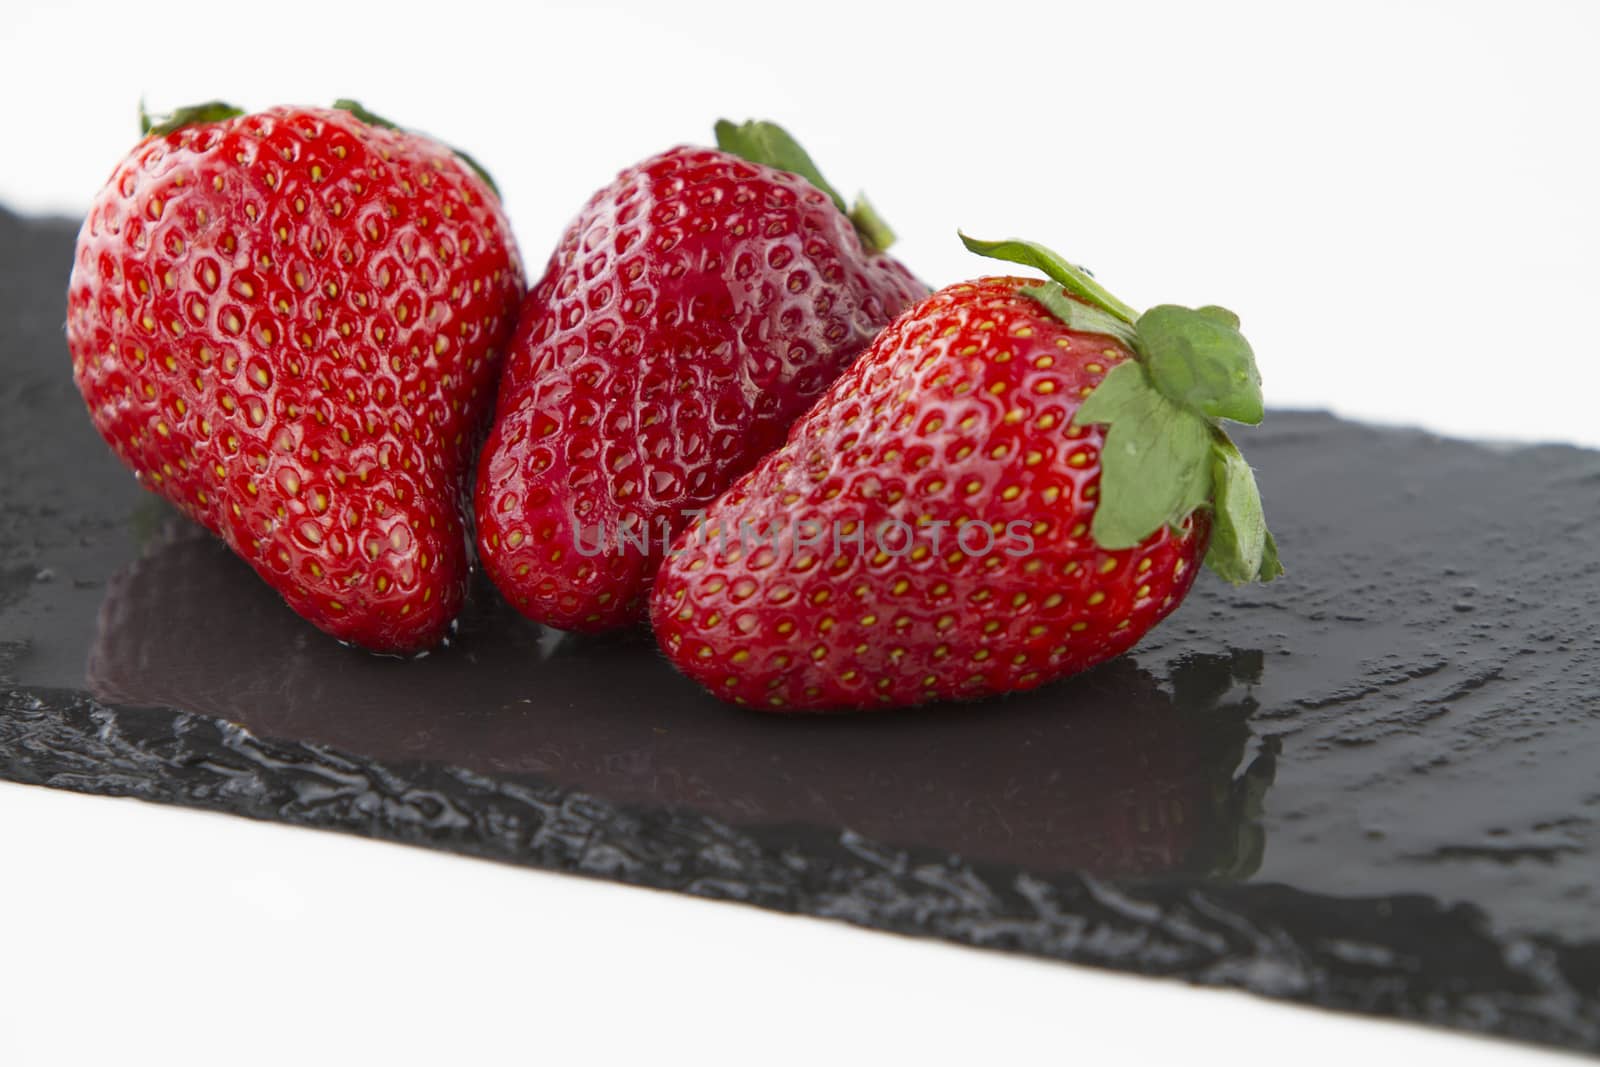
<point>696,307</point>
<point>289,324</point>
<point>1015,483</point>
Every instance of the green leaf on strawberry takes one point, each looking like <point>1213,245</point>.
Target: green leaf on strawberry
<point>1157,456</point>
<point>1081,316</point>
<point>1242,550</point>
<point>1165,454</point>
<point>1201,360</point>
<point>161,125</point>
<point>771,145</point>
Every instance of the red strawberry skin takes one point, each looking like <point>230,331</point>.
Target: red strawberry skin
<point>290,324</point>
<point>696,307</point>
<point>961,412</point>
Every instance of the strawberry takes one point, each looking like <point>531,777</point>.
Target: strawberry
<point>696,307</point>
<point>1015,483</point>
<point>289,324</point>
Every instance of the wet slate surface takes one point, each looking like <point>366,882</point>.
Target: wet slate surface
<point>1373,786</point>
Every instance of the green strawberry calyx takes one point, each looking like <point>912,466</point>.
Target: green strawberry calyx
<point>1166,453</point>
<point>193,115</point>
<point>217,111</point>
<point>771,145</point>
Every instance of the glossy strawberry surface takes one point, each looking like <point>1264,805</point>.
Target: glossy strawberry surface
<point>924,533</point>
<point>290,324</point>
<point>694,309</point>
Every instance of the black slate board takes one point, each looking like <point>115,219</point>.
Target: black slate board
<point>1371,786</point>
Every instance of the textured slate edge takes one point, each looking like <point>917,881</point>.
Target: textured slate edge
<point>1405,956</point>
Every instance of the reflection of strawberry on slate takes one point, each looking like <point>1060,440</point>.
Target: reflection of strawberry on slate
<point>1109,773</point>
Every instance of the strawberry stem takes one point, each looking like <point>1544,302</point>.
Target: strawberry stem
<point>1071,277</point>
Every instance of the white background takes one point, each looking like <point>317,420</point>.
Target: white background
<point>1401,200</point>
